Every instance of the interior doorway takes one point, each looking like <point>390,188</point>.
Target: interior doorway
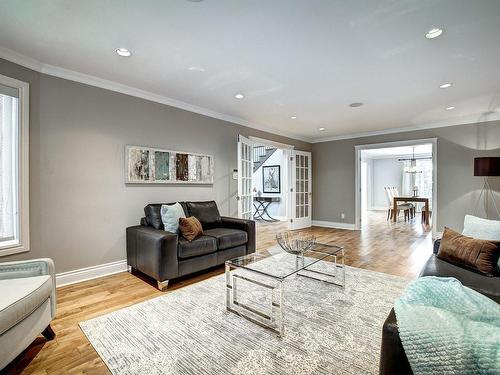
<point>274,183</point>
<point>395,183</point>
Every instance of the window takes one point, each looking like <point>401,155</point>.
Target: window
<point>14,205</point>
<point>424,179</point>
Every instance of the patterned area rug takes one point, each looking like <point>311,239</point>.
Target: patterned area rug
<point>329,330</point>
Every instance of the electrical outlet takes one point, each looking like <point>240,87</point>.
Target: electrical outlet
<point>342,216</point>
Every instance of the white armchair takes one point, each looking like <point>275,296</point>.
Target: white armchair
<point>27,305</point>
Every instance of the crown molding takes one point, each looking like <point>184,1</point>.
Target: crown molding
<point>87,79</point>
<point>457,121</point>
<point>71,75</point>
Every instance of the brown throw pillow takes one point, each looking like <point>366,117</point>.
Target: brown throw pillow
<point>190,228</point>
<point>479,255</point>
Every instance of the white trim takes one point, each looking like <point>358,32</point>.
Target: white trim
<point>332,224</point>
<point>23,195</point>
<point>357,170</point>
<point>457,121</point>
<point>87,79</point>
<point>89,273</point>
<point>263,141</point>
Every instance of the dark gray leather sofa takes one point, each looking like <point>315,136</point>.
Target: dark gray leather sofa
<point>165,256</point>
<point>393,359</point>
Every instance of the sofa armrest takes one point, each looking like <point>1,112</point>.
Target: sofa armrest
<point>30,268</point>
<point>437,243</point>
<point>393,358</point>
<point>27,268</point>
<point>153,252</point>
<point>242,224</point>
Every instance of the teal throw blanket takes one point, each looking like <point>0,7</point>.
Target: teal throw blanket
<point>447,328</point>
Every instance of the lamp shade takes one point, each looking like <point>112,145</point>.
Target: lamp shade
<point>487,166</point>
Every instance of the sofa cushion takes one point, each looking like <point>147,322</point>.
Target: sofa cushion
<point>153,214</point>
<point>227,237</point>
<point>489,286</point>
<point>20,297</point>
<point>200,246</point>
<point>206,212</point>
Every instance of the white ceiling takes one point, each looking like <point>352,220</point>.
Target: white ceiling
<point>424,150</point>
<point>304,58</point>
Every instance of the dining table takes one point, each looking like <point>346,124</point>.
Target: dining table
<point>406,199</point>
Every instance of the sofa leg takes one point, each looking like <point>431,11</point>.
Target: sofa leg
<point>130,269</point>
<point>162,285</point>
<point>49,333</point>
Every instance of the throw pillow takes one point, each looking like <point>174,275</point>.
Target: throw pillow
<point>482,229</point>
<point>170,215</point>
<point>190,228</point>
<point>479,255</point>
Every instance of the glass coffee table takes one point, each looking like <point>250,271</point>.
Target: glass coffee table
<point>268,273</point>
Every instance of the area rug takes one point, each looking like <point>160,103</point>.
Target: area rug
<point>329,330</point>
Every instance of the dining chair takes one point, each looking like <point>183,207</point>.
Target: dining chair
<point>389,194</point>
<point>411,205</point>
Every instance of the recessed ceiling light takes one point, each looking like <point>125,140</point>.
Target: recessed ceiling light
<point>197,68</point>
<point>434,33</point>
<point>123,52</point>
<point>450,108</point>
<point>239,96</point>
<point>446,85</point>
<point>294,117</point>
<point>321,129</point>
<point>355,104</point>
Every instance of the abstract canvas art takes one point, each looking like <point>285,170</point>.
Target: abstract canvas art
<point>151,165</point>
<point>182,166</point>
<point>138,165</point>
<point>271,180</point>
<point>162,166</point>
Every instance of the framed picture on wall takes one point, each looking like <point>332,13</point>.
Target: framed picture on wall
<point>271,179</point>
<point>157,166</point>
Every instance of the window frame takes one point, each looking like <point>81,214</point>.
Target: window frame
<point>23,168</point>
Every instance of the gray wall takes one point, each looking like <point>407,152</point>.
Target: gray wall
<point>334,174</point>
<point>79,203</point>
<point>385,172</point>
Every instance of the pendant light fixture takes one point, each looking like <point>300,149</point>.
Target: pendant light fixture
<point>412,168</point>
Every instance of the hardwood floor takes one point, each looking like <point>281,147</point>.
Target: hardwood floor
<point>396,248</point>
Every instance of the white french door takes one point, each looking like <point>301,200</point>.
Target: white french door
<point>245,171</point>
<point>301,190</point>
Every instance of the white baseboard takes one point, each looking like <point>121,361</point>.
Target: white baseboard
<point>89,273</point>
<point>332,224</point>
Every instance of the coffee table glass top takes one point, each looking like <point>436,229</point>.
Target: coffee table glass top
<point>279,264</point>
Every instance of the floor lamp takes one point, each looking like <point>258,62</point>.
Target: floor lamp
<point>487,167</point>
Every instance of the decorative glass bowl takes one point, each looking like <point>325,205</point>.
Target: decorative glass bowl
<point>295,242</point>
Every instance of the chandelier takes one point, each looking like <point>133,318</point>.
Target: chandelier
<point>412,168</point>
